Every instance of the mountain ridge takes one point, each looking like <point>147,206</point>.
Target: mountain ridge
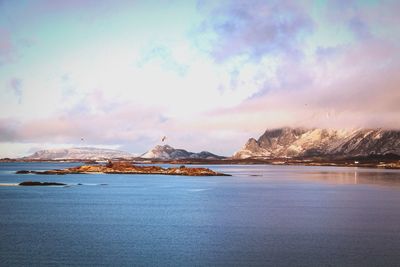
<point>289,142</point>
<point>84,153</point>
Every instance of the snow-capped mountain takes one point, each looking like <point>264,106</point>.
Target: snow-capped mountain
<point>294,142</point>
<point>85,153</point>
<point>167,152</point>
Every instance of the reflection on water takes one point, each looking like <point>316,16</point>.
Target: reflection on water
<point>335,175</point>
<point>356,177</point>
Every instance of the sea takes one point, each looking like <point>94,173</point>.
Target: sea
<point>262,215</point>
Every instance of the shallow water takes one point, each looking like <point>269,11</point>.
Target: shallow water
<point>262,215</point>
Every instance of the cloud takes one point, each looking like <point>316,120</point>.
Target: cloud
<point>8,130</point>
<point>16,87</point>
<point>256,28</point>
<point>359,28</point>
<point>365,19</point>
<point>341,84</point>
<point>129,127</point>
<point>123,125</point>
<point>7,50</point>
<point>161,55</point>
<point>358,88</point>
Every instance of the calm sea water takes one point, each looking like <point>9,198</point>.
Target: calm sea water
<point>261,216</point>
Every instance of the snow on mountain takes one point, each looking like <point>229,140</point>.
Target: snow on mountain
<point>85,153</point>
<point>167,152</point>
<point>293,142</point>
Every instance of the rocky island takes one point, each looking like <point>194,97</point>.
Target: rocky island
<point>129,168</point>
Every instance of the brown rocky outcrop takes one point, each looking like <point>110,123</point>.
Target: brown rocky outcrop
<point>129,168</point>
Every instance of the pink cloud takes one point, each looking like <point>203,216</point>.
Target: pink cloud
<point>356,87</point>
<point>359,87</point>
<point>123,125</point>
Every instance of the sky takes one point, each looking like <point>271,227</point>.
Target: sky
<point>206,74</point>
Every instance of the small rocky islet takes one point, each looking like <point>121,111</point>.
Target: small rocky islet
<point>34,183</point>
<point>128,168</point>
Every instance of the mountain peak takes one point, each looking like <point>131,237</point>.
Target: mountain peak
<point>163,147</point>
<point>167,152</point>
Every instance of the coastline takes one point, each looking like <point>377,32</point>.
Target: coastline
<point>381,162</point>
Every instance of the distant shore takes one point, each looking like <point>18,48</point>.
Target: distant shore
<point>385,162</point>
<point>357,162</point>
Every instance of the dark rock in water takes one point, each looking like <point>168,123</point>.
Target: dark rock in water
<point>49,172</point>
<point>23,172</point>
<point>32,183</point>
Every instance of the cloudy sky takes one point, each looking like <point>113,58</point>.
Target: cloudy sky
<point>206,74</point>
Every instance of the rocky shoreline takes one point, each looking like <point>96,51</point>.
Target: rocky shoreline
<point>128,168</point>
